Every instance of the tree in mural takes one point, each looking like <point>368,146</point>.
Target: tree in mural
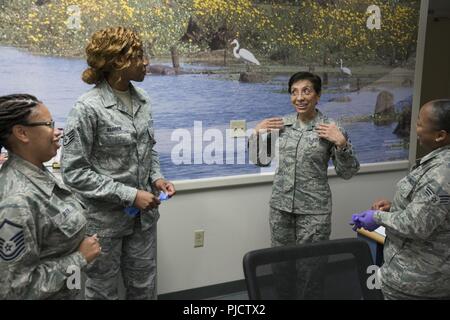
<point>396,40</point>
<point>326,31</point>
<point>222,20</point>
<point>63,27</point>
<point>290,31</point>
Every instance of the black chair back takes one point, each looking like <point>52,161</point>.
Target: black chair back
<point>332,269</point>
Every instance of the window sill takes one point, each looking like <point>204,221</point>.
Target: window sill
<point>265,178</point>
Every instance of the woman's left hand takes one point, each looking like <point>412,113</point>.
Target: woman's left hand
<point>331,133</point>
<point>165,186</point>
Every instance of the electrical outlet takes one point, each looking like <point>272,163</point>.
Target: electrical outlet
<point>199,237</point>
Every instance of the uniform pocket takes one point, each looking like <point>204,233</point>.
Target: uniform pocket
<point>114,150</point>
<point>314,145</point>
<point>69,220</point>
<point>323,231</point>
<point>282,141</point>
<point>405,187</point>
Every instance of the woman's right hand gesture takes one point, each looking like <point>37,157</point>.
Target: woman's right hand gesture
<point>269,124</point>
<point>146,200</point>
<point>381,204</point>
<point>90,248</point>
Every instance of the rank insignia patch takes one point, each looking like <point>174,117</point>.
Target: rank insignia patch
<point>69,137</point>
<point>12,243</point>
<point>437,198</point>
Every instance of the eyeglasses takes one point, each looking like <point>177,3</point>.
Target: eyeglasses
<point>305,92</point>
<point>50,124</point>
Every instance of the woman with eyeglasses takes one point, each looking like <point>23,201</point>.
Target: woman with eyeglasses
<point>300,205</point>
<point>42,226</point>
<point>109,159</point>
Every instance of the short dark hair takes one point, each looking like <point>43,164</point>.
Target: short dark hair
<point>14,109</point>
<point>440,114</point>
<point>303,75</point>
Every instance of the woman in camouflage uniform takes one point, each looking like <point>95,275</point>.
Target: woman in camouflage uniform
<point>300,206</point>
<point>417,247</point>
<point>42,226</point>
<point>109,159</point>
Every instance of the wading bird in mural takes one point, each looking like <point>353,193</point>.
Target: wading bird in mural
<point>243,54</point>
<point>345,71</point>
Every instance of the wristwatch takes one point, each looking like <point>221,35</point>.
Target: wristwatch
<point>343,148</point>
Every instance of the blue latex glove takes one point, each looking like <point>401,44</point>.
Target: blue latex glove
<point>163,196</point>
<point>364,220</point>
<point>131,211</point>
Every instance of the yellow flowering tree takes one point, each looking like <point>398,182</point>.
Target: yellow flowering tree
<point>63,27</point>
<point>328,30</point>
<point>12,16</point>
<point>396,40</point>
<point>308,31</point>
<point>229,19</point>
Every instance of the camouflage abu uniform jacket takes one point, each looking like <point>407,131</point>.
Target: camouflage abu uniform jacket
<point>41,227</point>
<point>108,154</point>
<point>301,184</point>
<point>417,247</point>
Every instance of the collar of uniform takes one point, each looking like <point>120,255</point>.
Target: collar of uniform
<point>319,118</point>
<point>110,99</point>
<point>292,120</point>
<point>434,154</point>
<point>39,177</point>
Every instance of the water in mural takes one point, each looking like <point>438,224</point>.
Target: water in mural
<point>235,59</point>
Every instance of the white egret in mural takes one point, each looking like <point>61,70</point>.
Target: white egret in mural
<point>345,70</point>
<point>243,54</point>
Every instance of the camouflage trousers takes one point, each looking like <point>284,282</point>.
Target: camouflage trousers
<point>135,257</point>
<point>390,293</point>
<point>303,279</point>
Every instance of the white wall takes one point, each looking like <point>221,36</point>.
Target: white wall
<point>235,220</point>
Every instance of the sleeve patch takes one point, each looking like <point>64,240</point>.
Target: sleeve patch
<point>12,243</point>
<point>437,198</point>
<point>69,137</point>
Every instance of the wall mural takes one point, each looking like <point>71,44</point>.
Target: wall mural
<point>218,67</point>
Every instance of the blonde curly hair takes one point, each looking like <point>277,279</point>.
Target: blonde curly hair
<point>104,50</point>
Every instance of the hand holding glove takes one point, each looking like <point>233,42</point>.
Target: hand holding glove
<point>364,220</point>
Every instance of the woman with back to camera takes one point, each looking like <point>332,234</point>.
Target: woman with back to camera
<point>42,226</point>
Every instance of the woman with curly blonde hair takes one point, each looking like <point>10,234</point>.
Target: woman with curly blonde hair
<point>109,159</point>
